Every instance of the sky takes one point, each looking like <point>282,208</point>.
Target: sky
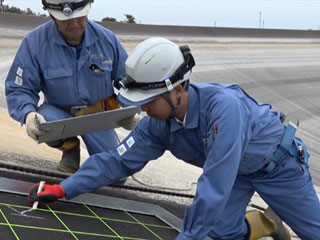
<point>272,14</point>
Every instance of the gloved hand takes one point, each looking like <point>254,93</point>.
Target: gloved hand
<point>50,193</point>
<point>129,123</point>
<point>32,121</point>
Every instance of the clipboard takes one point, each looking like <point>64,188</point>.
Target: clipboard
<point>75,126</point>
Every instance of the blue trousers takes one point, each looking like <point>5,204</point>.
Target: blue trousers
<point>95,142</point>
<point>288,190</point>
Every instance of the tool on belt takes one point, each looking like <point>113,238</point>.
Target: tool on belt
<point>289,145</point>
<point>110,103</point>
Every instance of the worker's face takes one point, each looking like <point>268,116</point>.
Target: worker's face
<point>158,108</point>
<point>72,29</point>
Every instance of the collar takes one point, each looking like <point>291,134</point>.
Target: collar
<point>191,119</point>
<point>183,123</point>
<point>89,35</point>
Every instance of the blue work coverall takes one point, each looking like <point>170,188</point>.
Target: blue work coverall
<point>68,76</point>
<point>232,137</point>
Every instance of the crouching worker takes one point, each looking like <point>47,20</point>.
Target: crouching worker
<point>241,145</point>
<point>74,63</point>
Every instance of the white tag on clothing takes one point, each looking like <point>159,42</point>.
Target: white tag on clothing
<point>18,81</point>
<point>19,71</point>
<point>121,149</point>
<point>130,142</point>
<point>107,62</point>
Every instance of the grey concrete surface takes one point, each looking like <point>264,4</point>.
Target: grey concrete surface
<point>285,74</point>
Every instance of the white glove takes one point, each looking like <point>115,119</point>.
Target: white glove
<point>33,119</point>
<point>129,123</point>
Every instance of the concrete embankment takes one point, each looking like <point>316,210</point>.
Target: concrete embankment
<point>25,22</point>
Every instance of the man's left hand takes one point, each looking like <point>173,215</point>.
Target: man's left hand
<point>129,123</point>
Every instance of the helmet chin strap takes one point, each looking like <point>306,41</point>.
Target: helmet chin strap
<point>167,97</point>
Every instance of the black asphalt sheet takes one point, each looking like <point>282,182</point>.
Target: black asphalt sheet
<point>63,220</point>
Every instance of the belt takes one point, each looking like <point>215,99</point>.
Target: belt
<point>109,103</point>
<point>284,147</point>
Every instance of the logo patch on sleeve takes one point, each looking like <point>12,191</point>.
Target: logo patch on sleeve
<point>121,149</point>
<point>19,71</point>
<point>130,142</point>
<point>18,81</point>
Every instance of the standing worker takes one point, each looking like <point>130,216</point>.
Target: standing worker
<point>74,62</point>
<point>242,146</point>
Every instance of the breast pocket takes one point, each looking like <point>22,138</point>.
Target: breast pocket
<point>59,85</point>
<point>100,77</point>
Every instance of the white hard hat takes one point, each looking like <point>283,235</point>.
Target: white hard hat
<point>155,66</point>
<point>67,9</point>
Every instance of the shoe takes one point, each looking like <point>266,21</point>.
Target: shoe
<point>70,160</point>
<point>282,232</point>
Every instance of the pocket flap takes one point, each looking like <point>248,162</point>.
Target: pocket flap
<point>57,73</point>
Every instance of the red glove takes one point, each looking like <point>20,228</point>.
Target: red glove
<point>50,193</point>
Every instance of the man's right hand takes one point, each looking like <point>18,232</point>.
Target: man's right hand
<point>33,119</point>
<point>50,193</point>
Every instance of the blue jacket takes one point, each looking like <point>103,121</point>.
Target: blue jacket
<point>226,133</point>
<point>45,62</point>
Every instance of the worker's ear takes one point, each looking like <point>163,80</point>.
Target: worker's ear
<point>178,90</point>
